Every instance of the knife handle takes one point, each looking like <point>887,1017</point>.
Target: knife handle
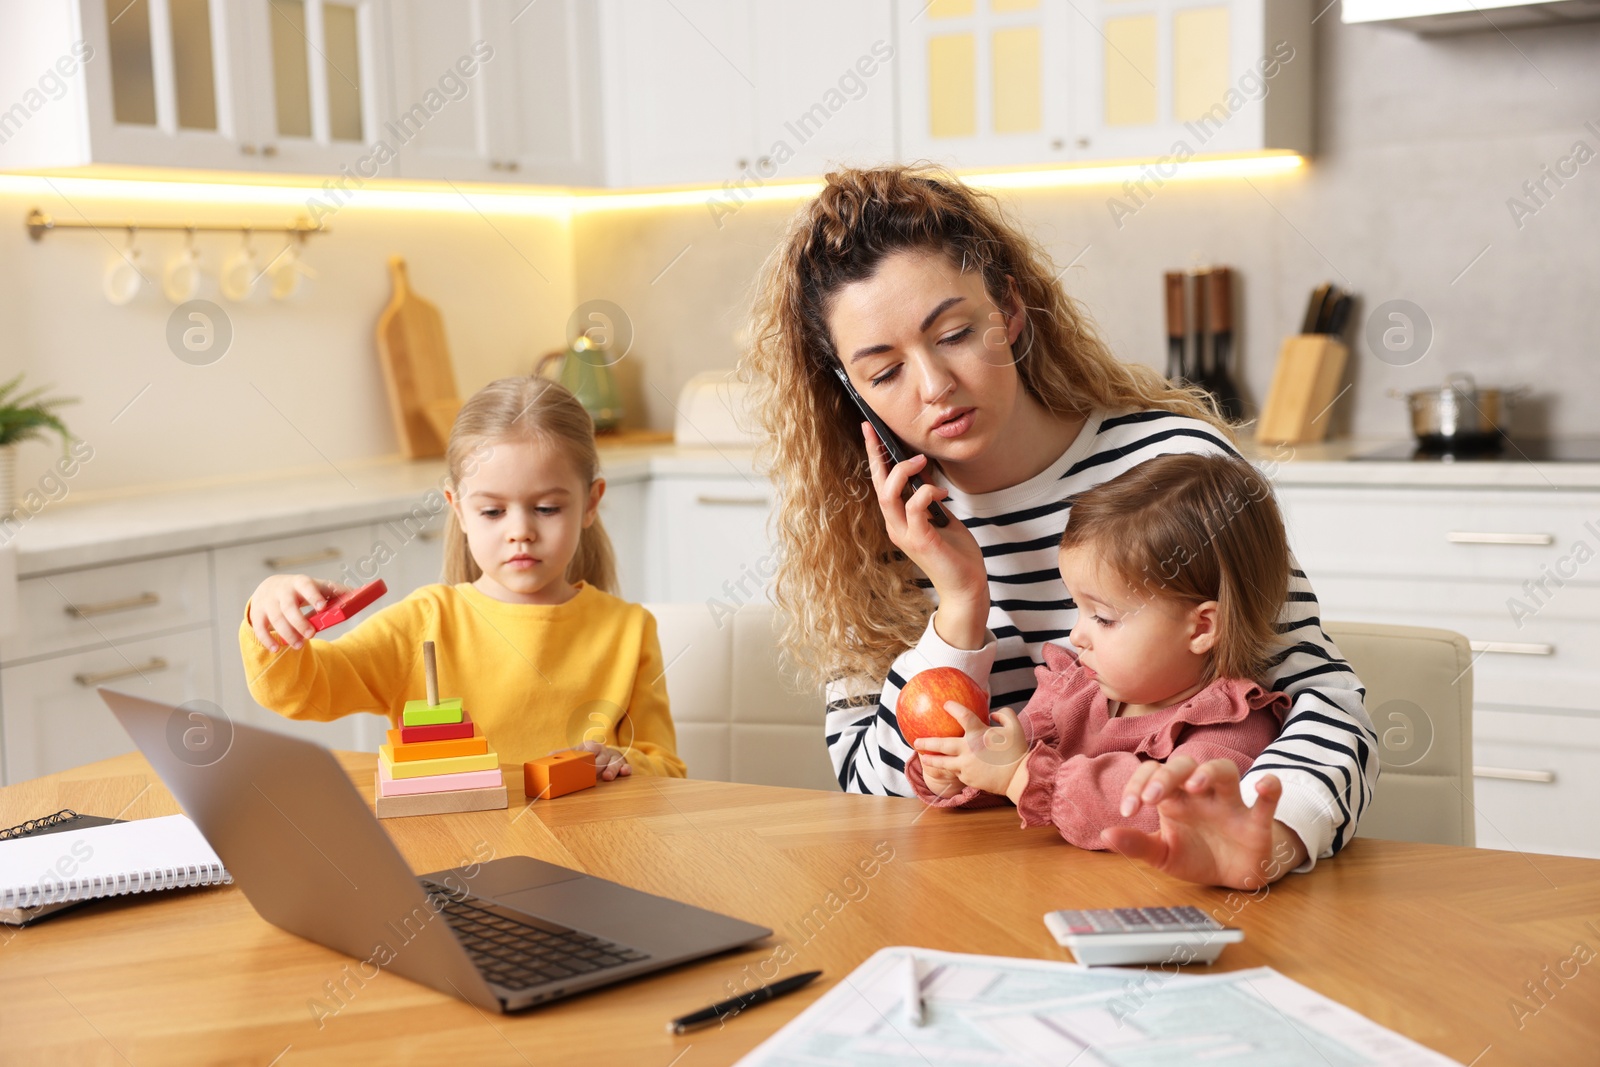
<point>1202,302</point>
<point>1175,315</point>
<point>1221,300</point>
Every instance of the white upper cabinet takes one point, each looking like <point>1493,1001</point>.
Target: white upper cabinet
<point>319,86</point>
<point>734,91</point>
<point>152,82</point>
<point>280,85</point>
<point>986,82</point>
<point>680,90</point>
<point>825,84</point>
<point>498,90</point>
<point>631,93</point>
<point>1179,78</point>
<point>1028,82</point>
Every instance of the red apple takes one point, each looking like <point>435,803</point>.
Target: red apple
<point>920,707</point>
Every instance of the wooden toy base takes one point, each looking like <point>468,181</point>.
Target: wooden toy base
<point>451,803</point>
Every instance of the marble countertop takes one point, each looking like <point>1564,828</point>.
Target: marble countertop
<point>93,528</point>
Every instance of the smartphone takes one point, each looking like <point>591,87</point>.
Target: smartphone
<point>897,451</point>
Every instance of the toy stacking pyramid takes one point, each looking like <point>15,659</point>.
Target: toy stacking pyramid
<point>438,762</point>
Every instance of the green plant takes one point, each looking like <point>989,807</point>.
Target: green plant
<point>26,416</point>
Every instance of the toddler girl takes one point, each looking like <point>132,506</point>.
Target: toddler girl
<point>1179,568</point>
<point>526,629</point>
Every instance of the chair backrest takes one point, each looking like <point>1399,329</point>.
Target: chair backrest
<point>738,714</point>
<point>1419,695</point>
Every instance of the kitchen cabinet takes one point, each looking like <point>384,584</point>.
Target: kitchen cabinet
<point>825,85</point>
<point>1504,569</point>
<point>318,86</point>
<point>261,85</point>
<point>986,82</point>
<point>498,90</point>
<point>1010,82</point>
<point>1535,784</point>
<point>54,718</point>
<point>713,542</point>
<point>680,102</point>
<point>623,512</point>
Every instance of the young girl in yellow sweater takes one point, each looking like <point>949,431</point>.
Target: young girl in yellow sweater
<point>527,631</point>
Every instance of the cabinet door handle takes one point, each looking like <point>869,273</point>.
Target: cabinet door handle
<point>430,535</point>
<point>1467,537</point>
<point>1514,648</point>
<point>322,555</point>
<point>89,681</point>
<point>106,607</point>
<point>1513,774</point>
<point>733,501</point>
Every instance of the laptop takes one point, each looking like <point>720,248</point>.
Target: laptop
<point>504,934</point>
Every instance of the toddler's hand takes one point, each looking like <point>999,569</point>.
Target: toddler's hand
<point>986,758</point>
<point>609,762</point>
<point>275,605</point>
<point>942,783</point>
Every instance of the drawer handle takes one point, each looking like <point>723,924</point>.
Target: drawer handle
<point>1514,648</point>
<point>1462,537</point>
<point>283,563</point>
<point>84,611</point>
<point>89,681</point>
<point>733,501</point>
<point>430,534</point>
<point>1512,774</point>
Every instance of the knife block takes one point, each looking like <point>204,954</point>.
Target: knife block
<point>1304,386</point>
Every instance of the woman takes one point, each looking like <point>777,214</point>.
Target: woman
<point>952,327</point>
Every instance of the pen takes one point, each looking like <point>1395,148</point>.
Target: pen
<point>913,991</point>
<point>734,1005</point>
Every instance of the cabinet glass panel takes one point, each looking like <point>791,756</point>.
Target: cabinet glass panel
<point>291,75</point>
<point>1199,61</point>
<point>341,43</point>
<point>949,9</point>
<point>952,85</point>
<point>1130,65</point>
<point>192,68</point>
<point>1000,7</point>
<point>1018,92</point>
<point>133,89</point>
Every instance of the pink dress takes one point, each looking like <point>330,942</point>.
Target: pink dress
<point>1080,757</point>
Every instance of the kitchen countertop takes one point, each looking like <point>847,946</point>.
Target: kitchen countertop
<point>88,529</point>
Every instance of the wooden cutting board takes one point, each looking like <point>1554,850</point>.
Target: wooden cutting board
<point>416,369</point>
<point>1304,386</point>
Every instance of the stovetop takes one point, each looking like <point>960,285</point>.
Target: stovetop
<point>1506,450</point>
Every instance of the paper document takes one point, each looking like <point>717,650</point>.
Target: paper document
<point>995,1010</point>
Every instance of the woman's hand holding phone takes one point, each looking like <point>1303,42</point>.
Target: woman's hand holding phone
<point>948,555</point>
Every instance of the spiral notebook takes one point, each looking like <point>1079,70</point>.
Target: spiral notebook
<point>49,864</point>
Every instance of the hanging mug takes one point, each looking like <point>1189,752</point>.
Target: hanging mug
<point>240,272</point>
<point>181,280</point>
<point>123,278</point>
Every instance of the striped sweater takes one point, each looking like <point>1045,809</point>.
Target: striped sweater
<point>1327,754</point>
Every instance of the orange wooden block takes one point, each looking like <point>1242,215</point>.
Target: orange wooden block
<point>558,774</point>
<point>476,745</point>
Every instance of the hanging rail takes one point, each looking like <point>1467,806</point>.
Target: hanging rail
<point>40,224</point>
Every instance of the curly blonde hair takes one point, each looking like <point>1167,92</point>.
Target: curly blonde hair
<point>849,596</point>
<point>527,408</point>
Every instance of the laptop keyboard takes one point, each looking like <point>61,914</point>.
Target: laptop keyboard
<point>518,952</point>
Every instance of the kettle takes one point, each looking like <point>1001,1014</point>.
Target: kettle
<point>584,369</point>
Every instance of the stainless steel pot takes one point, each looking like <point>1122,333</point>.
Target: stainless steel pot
<point>1459,415</point>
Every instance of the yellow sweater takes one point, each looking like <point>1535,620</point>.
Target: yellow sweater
<point>534,677</point>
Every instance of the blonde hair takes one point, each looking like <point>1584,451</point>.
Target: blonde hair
<point>1189,528</point>
<point>847,592</point>
<point>534,409</point>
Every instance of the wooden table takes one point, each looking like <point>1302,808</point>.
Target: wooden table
<point>1434,942</point>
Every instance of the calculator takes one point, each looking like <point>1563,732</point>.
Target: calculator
<point>1104,936</point>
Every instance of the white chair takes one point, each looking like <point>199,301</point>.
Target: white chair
<point>1419,695</point>
<point>738,713</point>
